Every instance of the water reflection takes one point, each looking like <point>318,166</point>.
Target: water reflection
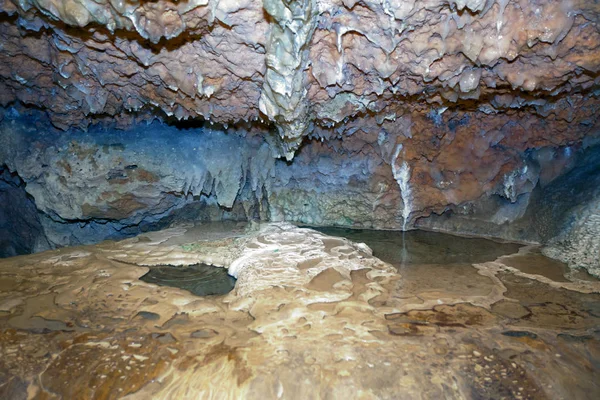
<point>199,279</point>
<point>422,247</point>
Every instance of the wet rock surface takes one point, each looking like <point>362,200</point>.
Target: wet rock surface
<point>474,117</point>
<point>577,242</point>
<point>311,316</point>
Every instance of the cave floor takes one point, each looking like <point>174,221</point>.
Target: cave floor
<point>311,317</point>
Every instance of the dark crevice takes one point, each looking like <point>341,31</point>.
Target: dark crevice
<point>21,231</point>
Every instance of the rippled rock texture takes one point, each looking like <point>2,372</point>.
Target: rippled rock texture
<point>78,323</point>
<point>308,66</point>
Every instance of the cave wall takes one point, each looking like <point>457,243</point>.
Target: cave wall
<point>452,115</point>
<point>569,210</point>
<point>108,183</point>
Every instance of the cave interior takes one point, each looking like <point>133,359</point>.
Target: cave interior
<point>286,199</point>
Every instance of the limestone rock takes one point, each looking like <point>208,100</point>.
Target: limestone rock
<point>283,61</point>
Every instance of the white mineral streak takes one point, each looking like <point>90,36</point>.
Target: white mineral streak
<point>402,176</point>
<point>340,64</point>
<point>502,5</point>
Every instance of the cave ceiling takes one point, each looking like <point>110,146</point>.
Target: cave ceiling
<point>316,69</point>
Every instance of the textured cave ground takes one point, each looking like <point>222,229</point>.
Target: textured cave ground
<point>311,316</point>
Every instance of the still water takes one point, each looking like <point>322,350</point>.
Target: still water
<point>422,247</point>
<point>199,279</point>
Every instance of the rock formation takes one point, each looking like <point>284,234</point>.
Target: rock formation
<point>311,316</point>
<point>448,114</point>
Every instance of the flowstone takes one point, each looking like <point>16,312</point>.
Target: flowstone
<point>311,316</point>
